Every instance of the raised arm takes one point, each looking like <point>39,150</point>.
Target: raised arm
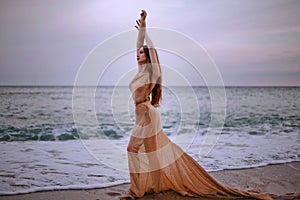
<point>142,35</point>
<point>141,26</point>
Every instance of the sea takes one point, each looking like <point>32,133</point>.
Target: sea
<point>47,143</point>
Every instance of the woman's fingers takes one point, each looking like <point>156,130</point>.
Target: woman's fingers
<point>143,14</point>
<point>138,22</point>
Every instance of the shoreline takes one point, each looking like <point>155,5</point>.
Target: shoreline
<point>273,178</point>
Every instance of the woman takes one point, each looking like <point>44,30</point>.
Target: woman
<point>155,163</point>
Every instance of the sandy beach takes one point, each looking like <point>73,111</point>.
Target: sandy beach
<point>276,179</point>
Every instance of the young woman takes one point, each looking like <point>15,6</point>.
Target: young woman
<point>155,163</point>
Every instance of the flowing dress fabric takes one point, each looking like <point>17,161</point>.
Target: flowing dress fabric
<point>157,164</point>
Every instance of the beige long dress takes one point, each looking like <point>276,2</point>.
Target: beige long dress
<point>156,164</point>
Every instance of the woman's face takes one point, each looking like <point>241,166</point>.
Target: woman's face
<point>141,56</point>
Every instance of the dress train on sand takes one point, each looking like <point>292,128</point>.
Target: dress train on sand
<point>156,164</point>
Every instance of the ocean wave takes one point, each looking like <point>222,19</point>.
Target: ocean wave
<point>58,132</point>
<point>31,166</point>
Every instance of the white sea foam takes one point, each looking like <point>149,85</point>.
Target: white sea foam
<point>36,165</point>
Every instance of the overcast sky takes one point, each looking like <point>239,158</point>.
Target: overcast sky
<point>44,42</point>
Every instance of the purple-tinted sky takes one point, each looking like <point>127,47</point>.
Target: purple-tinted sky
<point>252,42</point>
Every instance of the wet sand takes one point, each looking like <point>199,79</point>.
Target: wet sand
<point>276,179</point>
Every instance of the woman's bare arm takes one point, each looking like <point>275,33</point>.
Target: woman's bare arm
<point>141,27</point>
<point>154,59</point>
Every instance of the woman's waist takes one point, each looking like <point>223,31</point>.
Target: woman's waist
<point>140,101</point>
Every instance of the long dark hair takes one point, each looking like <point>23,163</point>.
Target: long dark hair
<point>156,93</point>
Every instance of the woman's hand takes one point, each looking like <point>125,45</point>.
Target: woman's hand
<point>138,24</point>
<point>143,15</point>
<point>141,27</point>
<point>142,21</point>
